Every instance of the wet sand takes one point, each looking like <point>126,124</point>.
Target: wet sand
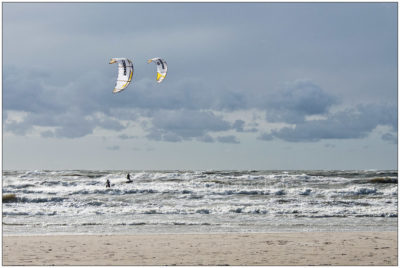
<point>306,248</point>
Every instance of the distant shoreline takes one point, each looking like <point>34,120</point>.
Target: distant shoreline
<point>297,248</point>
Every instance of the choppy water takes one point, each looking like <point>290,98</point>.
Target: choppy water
<point>77,201</point>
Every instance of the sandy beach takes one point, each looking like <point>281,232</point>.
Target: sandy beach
<point>306,248</point>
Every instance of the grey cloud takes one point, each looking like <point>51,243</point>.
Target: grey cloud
<point>155,135</point>
<point>206,138</point>
<point>125,113</point>
<point>88,95</point>
<point>228,139</point>
<point>172,137</point>
<point>111,124</point>
<point>73,131</point>
<point>17,128</point>
<point>185,93</point>
<point>265,137</point>
<point>70,108</point>
<point>349,124</point>
<point>27,94</point>
<point>127,137</point>
<point>185,125</point>
<point>67,125</point>
<point>199,82</point>
<point>239,126</point>
<point>47,134</point>
<point>176,111</point>
<point>296,101</point>
<point>177,126</point>
<point>389,137</point>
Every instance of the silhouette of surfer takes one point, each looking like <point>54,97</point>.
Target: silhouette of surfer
<point>128,177</point>
<point>108,184</point>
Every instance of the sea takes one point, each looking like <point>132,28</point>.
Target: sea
<point>213,201</point>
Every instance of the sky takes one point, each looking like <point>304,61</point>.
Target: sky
<point>249,86</point>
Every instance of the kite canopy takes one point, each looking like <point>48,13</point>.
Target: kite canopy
<point>161,68</point>
<point>125,72</point>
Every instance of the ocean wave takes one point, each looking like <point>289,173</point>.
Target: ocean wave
<point>375,180</point>
<point>80,192</point>
<point>24,213</point>
<point>32,191</point>
<point>91,223</point>
<point>95,203</point>
<point>41,199</point>
<point>359,191</point>
<point>321,216</point>
<point>195,196</point>
<point>252,192</point>
<point>191,223</point>
<point>15,213</point>
<point>344,203</point>
<point>236,210</point>
<point>306,192</point>
<point>152,211</point>
<point>203,211</point>
<point>280,192</point>
<point>259,211</point>
<point>126,191</point>
<point>383,180</point>
<point>34,173</point>
<point>382,215</point>
<point>21,186</point>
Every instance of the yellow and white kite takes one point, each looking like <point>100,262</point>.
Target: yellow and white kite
<point>125,72</point>
<point>161,68</point>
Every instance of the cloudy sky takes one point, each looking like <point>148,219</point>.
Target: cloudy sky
<point>249,86</point>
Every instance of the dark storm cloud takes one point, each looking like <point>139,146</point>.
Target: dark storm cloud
<point>181,125</point>
<point>349,124</point>
<point>71,108</point>
<point>185,93</point>
<point>296,101</point>
<point>88,95</point>
<point>57,72</point>
<point>300,99</point>
<point>23,90</point>
<point>49,106</point>
<point>177,113</point>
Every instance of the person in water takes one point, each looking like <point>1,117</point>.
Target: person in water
<point>108,184</point>
<point>128,177</point>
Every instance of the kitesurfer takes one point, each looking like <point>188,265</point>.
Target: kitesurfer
<point>128,177</point>
<point>108,184</point>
